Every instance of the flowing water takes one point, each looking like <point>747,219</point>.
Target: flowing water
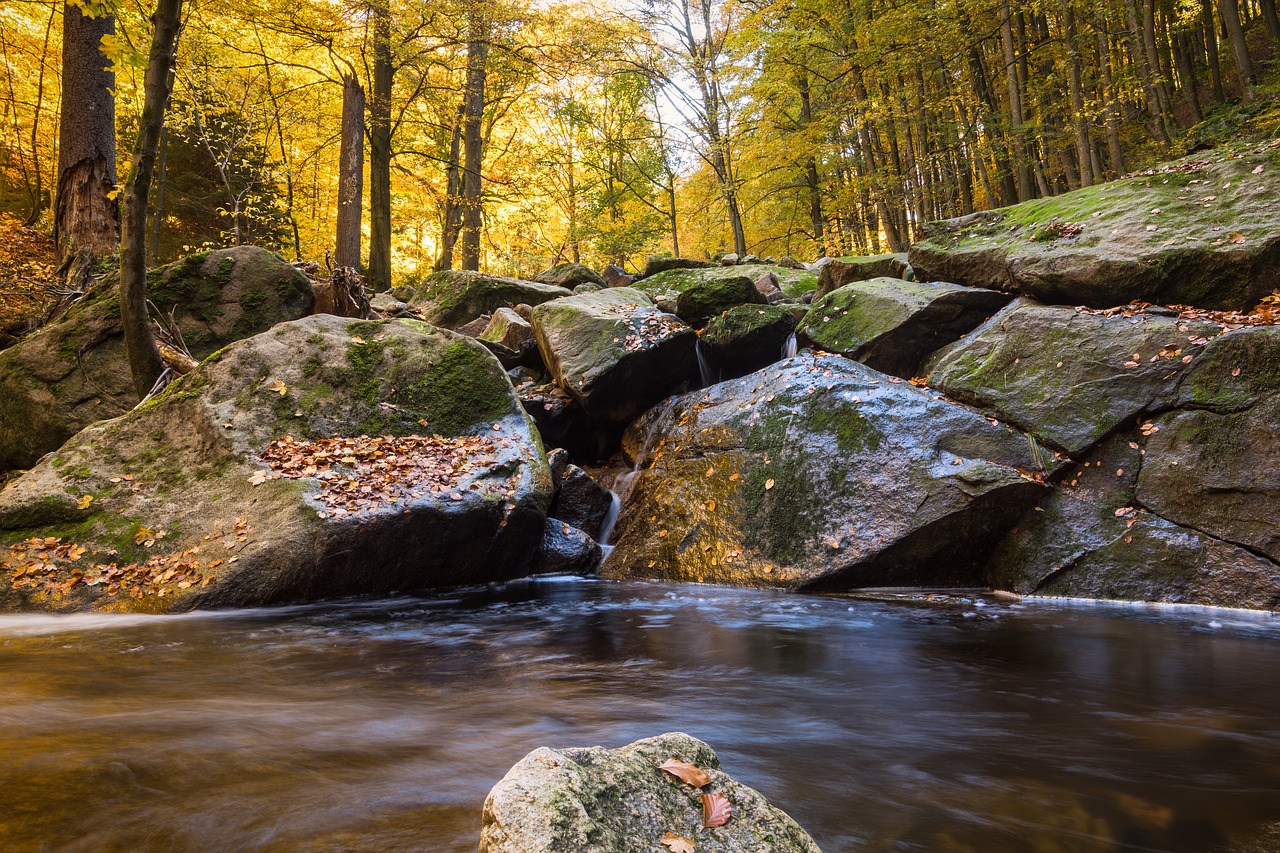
<point>957,724</point>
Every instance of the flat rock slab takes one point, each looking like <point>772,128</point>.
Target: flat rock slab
<point>324,458</point>
<point>892,325</point>
<point>1070,378</point>
<point>453,298</point>
<point>820,473</point>
<point>614,351</point>
<point>597,800</point>
<point>75,371</point>
<point>834,273</point>
<point>1203,231</point>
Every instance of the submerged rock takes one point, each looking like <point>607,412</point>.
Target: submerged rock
<point>892,325</point>
<point>614,351</point>
<point>1202,231</point>
<point>75,371</point>
<point>1069,378</point>
<point>820,473</point>
<point>254,480</point>
<point>453,298</point>
<point>597,800</point>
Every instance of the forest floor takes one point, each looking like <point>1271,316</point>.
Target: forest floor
<point>27,270</point>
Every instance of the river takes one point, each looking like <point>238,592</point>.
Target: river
<point>956,724</point>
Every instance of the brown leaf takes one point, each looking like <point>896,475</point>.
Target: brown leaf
<point>716,810</point>
<point>768,484</point>
<point>1235,237</point>
<point>677,843</point>
<point>687,773</point>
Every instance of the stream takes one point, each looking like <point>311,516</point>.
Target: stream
<point>900,723</point>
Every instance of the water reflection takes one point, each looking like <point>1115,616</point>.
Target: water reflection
<point>957,725</point>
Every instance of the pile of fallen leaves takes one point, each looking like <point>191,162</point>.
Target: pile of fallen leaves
<point>1266,314</point>
<point>364,474</point>
<point>26,273</point>
<point>716,809</point>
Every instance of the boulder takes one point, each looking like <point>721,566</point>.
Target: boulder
<point>569,275</point>
<point>1214,464</point>
<point>1069,378</point>
<point>1202,231</point>
<point>657,264</point>
<point>729,259</point>
<point>834,273</point>
<point>597,800</point>
<point>324,458</point>
<point>453,298</point>
<point>699,303</point>
<point>614,351</point>
<point>670,284</point>
<point>820,473</point>
<point>75,371</point>
<point>514,332</point>
<point>581,501</point>
<point>562,423</point>
<point>746,338</point>
<point>892,324</point>
<point>565,550</point>
<point>615,276</point>
<point>767,284</point>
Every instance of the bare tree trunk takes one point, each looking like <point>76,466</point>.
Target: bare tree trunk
<point>157,215</point>
<point>38,200</point>
<point>1182,56</point>
<point>453,193</point>
<point>1273,21</point>
<point>1239,48</point>
<point>1021,159</point>
<point>1110,106</point>
<point>379,275</point>
<point>86,219</point>
<point>1079,121</point>
<point>1211,48</point>
<point>473,144</point>
<point>144,357</point>
<point>346,251</point>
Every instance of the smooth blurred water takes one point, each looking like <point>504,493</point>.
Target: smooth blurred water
<point>949,725</point>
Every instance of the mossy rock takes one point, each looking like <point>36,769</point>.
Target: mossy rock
<point>834,273</point>
<point>614,352</point>
<point>746,338</point>
<point>657,264</point>
<point>1203,231</point>
<point>706,299</point>
<point>1070,378</point>
<point>181,482</point>
<point>892,324</point>
<point>670,284</point>
<point>453,298</point>
<point>569,275</point>
<point>75,371</point>
<point>820,473</point>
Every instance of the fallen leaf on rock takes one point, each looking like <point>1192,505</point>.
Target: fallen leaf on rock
<point>688,773</point>
<point>258,478</point>
<point>677,843</point>
<point>85,501</point>
<point>279,387</point>
<point>716,810</point>
<point>768,484</point>
<point>1235,237</point>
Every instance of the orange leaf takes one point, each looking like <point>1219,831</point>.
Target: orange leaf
<point>716,810</point>
<point>687,773</point>
<point>768,484</point>
<point>677,843</point>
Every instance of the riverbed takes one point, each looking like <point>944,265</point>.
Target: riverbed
<point>949,723</point>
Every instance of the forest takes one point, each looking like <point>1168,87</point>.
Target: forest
<point>507,137</point>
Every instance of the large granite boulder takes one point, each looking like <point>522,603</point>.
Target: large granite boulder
<point>453,298</point>
<point>569,275</point>
<point>326,457</point>
<point>1202,231</point>
<point>614,351</point>
<point>699,303</point>
<point>657,264</point>
<point>892,324</point>
<point>835,273</point>
<point>1067,377</point>
<point>1214,463</point>
<point>820,473</point>
<point>75,371</point>
<point>667,286</point>
<point>597,800</point>
<point>746,338</point>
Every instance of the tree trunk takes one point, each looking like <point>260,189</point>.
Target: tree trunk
<point>379,274</point>
<point>157,214</point>
<point>1211,48</point>
<point>1110,105</point>
<point>1146,72</point>
<point>1079,121</point>
<point>346,251</point>
<point>1021,160</point>
<point>1239,48</point>
<point>86,219</point>
<point>473,145</point>
<point>144,358</point>
<point>453,193</point>
<point>1273,22</point>
<point>1182,56</point>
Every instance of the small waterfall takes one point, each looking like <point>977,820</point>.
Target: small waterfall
<point>704,366</point>
<point>610,519</point>
<point>789,346</point>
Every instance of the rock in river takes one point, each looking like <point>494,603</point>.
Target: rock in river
<point>598,800</point>
<point>327,457</point>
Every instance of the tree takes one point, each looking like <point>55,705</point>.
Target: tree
<point>144,357</point>
<point>346,251</point>
<point>86,219</point>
